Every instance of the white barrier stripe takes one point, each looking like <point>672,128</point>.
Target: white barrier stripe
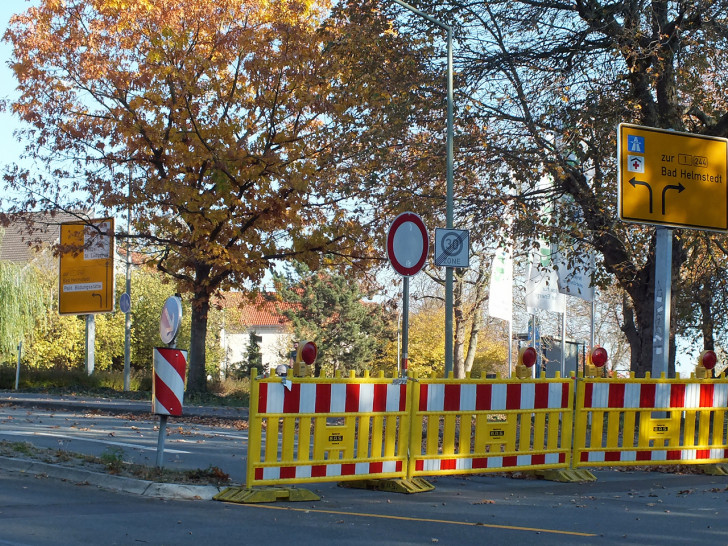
<point>303,472</point>
<point>333,470</point>
<point>338,398</point>
<point>556,391</point>
<point>600,395</point>
<point>159,409</point>
<point>275,398</point>
<point>435,397</point>
<point>660,455</point>
<point>366,398</point>
<point>596,457</point>
<point>628,456</point>
<point>464,464</point>
<point>498,397</point>
<point>720,395</point>
<point>662,395</point>
<point>717,453</point>
<point>389,466</point>
<point>271,473</point>
<point>552,458</point>
<point>632,392</point>
<point>307,400</point>
<point>467,397</point>
<point>169,376</point>
<point>495,462</point>
<point>524,460</point>
<point>362,468</point>
<point>431,465</point>
<point>528,395</point>
<point>692,395</point>
<point>688,455</point>
<point>393,398</point>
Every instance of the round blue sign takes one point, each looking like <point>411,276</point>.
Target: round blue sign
<point>125,302</point>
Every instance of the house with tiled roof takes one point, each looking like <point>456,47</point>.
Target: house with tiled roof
<point>262,316</point>
<point>24,238</point>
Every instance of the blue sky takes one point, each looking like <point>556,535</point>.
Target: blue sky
<point>9,148</point>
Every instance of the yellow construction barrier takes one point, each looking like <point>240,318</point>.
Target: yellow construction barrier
<point>464,426</point>
<point>623,422</point>
<point>304,430</point>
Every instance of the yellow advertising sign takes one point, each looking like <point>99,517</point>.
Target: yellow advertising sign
<point>671,178</point>
<point>86,278</point>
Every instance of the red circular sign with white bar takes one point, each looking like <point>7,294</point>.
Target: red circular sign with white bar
<point>407,244</point>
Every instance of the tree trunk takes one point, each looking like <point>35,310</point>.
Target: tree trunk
<point>197,376</point>
<point>459,329</point>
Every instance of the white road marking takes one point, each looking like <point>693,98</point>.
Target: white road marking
<point>83,439</point>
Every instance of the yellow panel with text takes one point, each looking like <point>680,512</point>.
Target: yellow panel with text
<point>672,178</point>
<point>86,276</point>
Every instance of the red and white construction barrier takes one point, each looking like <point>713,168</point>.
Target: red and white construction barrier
<point>274,398</point>
<point>440,397</point>
<point>655,395</point>
<point>170,366</point>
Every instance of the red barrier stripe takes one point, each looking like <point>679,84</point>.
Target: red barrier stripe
<point>380,398</point>
<point>258,474</point>
<point>480,462</point>
<point>318,471</point>
<point>612,456</point>
<point>562,457</point>
<point>541,396</point>
<point>263,398</point>
<point>584,457</point>
<point>644,455</point>
<point>677,395</point>
<point>588,393</point>
<point>674,455</point>
<point>702,454</point>
<point>616,395</point>
<point>565,396</point>
<point>452,398</point>
<point>166,397</point>
<point>323,398</point>
<point>513,396</point>
<point>419,465</point>
<point>423,397</point>
<point>351,404</point>
<point>376,468</point>
<point>288,472</point>
<point>402,397</point>
<point>538,459</point>
<point>510,461</point>
<point>706,395</point>
<point>483,397</point>
<point>292,399</point>
<point>399,466</point>
<point>448,464</point>
<point>647,395</point>
<point>348,469</point>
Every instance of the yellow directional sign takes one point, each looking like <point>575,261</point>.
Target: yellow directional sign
<point>86,277</point>
<point>671,178</point>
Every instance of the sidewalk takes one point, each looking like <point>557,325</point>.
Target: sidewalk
<point>114,405</point>
<point>108,481</point>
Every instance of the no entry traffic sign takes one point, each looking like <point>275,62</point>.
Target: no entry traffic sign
<point>407,244</point>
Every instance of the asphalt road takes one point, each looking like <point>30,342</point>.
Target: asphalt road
<point>620,507</point>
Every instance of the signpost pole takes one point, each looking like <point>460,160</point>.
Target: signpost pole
<point>663,289</point>
<point>127,321</point>
<point>405,327</point>
<point>90,343</point>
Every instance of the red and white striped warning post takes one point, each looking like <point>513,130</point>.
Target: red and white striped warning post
<point>168,391</point>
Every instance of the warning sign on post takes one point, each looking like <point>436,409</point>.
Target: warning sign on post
<point>86,276</point>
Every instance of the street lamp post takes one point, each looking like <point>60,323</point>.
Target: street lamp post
<point>449,175</point>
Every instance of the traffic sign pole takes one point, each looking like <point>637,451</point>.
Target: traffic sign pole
<point>405,327</point>
<point>663,295</point>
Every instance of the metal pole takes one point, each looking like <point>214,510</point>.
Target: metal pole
<point>127,325</point>
<point>405,327</point>
<point>563,343</point>
<point>17,370</point>
<point>449,179</point>
<point>160,440</point>
<point>510,347</point>
<point>663,294</point>
<point>90,343</point>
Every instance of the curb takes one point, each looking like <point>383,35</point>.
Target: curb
<point>132,486</point>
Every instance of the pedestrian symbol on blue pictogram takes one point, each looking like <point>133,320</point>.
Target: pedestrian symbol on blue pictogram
<point>636,144</point>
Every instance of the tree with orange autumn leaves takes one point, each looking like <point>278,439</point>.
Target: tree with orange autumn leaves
<point>240,131</point>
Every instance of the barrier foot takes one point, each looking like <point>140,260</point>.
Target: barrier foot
<point>570,475</point>
<point>716,469</point>
<point>393,485</point>
<point>254,495</point>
